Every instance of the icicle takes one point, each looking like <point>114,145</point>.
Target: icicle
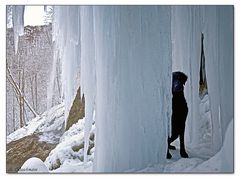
<point>18,24</point>
<point>45,8</point>
<point>53,74</point>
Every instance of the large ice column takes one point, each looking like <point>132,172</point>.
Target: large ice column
<point>125,62</point>
<point>186,48</point>
<point>226,58</point>
<point>216,23</point>
<point>209,25</point>
<point>88,69</point>
<point>133,75</point>
<point>66,35</point>
<point>18,24</point>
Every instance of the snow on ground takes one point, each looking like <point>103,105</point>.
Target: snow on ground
<point>68,155</point>
<point>74,167</point>
<point>33,165</point>
<point>201,158</point>
<point>220,162</point>
<point>223,160</point>
<point>50,125</point>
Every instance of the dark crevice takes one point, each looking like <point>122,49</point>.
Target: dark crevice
<point>203,89</point>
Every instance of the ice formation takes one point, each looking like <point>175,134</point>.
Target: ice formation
<point>133,60</point>
<point>18,24</point>
<point>66,37</point>
<point>123,56</point>
<point>125,74</point>
<point>216,23</point>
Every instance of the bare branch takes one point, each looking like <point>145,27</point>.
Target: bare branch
<point>20,93</point>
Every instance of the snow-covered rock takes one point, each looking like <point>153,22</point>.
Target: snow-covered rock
<point>33,165</point>
<point>38,138</point>
<point>50,125</point>
<point>70,151</point>
<point>22,149</point>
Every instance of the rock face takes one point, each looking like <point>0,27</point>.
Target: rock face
<point>27,147</point>
<point>77,110</point>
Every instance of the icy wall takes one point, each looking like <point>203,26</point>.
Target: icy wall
<point>133,72</point>
<point>124,54</point>
<point>216,23</point>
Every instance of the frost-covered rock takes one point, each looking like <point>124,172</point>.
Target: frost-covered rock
<point>70,151</point>
<point>33,165</point>
<point>49,126</point>
<point>22,149</point>
<point>38,138</point>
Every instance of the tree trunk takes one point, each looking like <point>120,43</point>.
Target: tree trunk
<point>36,102</point>
<point>17,89</point>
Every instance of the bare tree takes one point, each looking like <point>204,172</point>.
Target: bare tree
<point>32,91</point>
<point>13,111</point>
<point>36,92</point>
<point>22,99</point>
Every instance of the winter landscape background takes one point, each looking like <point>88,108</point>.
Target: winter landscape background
<point>90,91</point>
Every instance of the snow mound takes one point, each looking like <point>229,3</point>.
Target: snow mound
<point>33,165</point>
<point>183,165</point>
<point>68,154</point>
<point>50,121</point>
<point>223,160</point>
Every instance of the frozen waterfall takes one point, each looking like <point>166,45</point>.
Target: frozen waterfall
<point>124,54</point>
<point>123,58</point>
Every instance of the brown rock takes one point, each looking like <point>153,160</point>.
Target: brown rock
<point>77,110</point>
<point>20,150</point>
